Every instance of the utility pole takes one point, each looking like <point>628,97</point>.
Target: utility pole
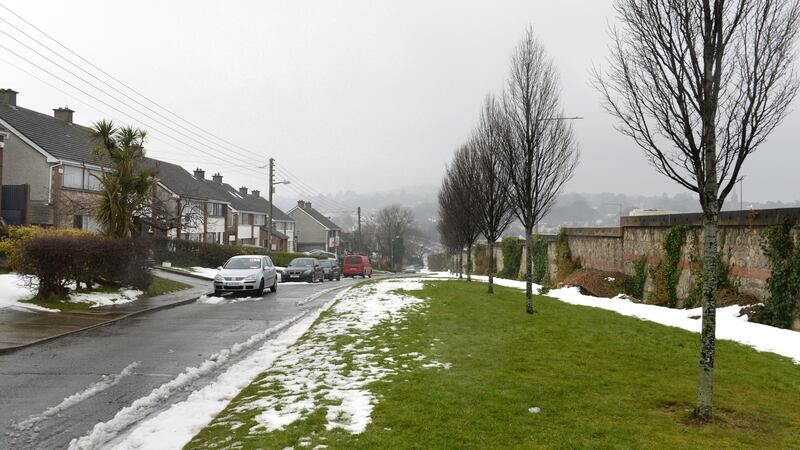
<point>359,231</point>
<point>271,189</point>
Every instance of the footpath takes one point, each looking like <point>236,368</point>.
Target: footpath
<point>19,329</point>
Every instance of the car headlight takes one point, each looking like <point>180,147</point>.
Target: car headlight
<point>219,277</point>
<point>308,271</point>
<point>251,277</point>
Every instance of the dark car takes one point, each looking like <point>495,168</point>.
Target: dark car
<point>304,269</point>
<point>356,265</point>
<point>331,269</point>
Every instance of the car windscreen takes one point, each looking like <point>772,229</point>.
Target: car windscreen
<point>303,262</point>
<point>353,260</point>
<point>325,263</point>
<point>243,263</point>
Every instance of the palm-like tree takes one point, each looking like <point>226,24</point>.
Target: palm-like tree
<point>126,185</point>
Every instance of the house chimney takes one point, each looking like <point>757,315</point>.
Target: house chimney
<point>8,97</point>
<point>243,190</point>
<point>217,178</point>
<point>200,174</point>
<point>255,193</point>
<point>301,204</point>
<point>63,113</point>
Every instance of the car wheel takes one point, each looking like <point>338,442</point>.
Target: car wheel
<point>339,278</point>
<point>370,275</point>
<point>217,293</point>
<point>260,290</point>
<point>274,287</point>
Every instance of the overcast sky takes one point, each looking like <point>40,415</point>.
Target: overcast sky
<point>346,95</point>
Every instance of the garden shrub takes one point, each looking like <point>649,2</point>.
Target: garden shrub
<point>14,236</point>
<point>480,259</point>
<point>783,285</point>
<point>512,257</point>
<point>666,273</point>
<point>52,261</point>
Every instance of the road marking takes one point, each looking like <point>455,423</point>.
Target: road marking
<point>106,382</point>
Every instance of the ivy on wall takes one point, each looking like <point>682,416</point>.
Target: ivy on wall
<point>783,286</point>
<point>541,267</point>
<point>512,257</point>
<point>666,273</point>
<point>634,285</point>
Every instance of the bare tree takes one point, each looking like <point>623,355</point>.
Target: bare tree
<point>448,232</point>
<point>392,224</point>
<point>458,199</point>
<point>539,149</point>
<point>493,195</point>
<point>699,85</point>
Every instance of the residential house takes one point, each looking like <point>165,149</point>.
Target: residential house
<point>50,178</point>
<point>248,216</point>
<point>313,229</point>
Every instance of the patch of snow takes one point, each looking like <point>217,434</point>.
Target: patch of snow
<point>98,299</point>
<point>13,291</point>
<point>610,279</point>
<point>213,300</point>
<point>534,410</point>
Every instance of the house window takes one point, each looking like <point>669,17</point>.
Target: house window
<point>247,219</point>
<point>86,223</point>
<point>73,177</point>
<point>92,180</point>
<point>215,209</point>
<point>261,219</point>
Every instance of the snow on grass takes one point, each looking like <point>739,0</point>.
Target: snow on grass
<point>13,291</point>
<point>730,325</point>
<point>98,299</point>
<point>330,369</point>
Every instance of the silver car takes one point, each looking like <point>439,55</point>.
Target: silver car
<point>246,273</point>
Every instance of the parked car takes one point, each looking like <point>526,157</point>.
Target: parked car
<point>331,269</point>
<point>246,273</point>
<point>356,265</point>
<point>410,269</point>
<point>304,269</point>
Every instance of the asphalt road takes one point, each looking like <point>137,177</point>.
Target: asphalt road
<point>38,379</point>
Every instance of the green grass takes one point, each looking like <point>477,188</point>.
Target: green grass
<point>600,379</point>
<point>161,286</point>
<point>158,286</point>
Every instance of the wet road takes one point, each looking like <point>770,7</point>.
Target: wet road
<point>126,360</point>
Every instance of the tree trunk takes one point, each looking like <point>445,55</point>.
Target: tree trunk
<point>469,262</point>
<point>460,264</point>
<point>705,384</point>
<point>491,267</point>
<point>528,270</point>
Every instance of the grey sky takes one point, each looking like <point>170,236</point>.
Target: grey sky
<point>361,96</point>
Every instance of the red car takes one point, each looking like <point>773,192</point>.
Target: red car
<point>356,265</point>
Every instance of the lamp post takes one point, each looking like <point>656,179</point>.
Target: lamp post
<point>272,185</point>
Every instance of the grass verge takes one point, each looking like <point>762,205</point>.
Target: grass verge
<point>599,378</point>
<point>158,286</point>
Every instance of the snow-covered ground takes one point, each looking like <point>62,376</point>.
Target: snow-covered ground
<point>302,376</point>
<point>13,292</point>
<point>730,325</point>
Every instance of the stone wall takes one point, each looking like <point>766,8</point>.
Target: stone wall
<point>616,249</point>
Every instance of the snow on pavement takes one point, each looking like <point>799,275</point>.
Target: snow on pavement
<point>730,325</point>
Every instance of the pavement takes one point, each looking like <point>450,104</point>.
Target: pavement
<point>58,390</point>
<point>19,329</point>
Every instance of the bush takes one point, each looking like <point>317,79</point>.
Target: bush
<point>13,237</point>
<point>783,286</point>
<point>634,286</point>
<point>480,259</point>
<point>439,262</point>
<point>52,261</point>
<point>203,254</point>
<point>541,267</point>
<point>512,256</point>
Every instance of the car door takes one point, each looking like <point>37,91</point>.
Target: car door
<point>270,273</point>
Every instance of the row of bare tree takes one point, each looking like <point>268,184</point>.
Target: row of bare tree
<point>514,164</point>
<point>697,85</point>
